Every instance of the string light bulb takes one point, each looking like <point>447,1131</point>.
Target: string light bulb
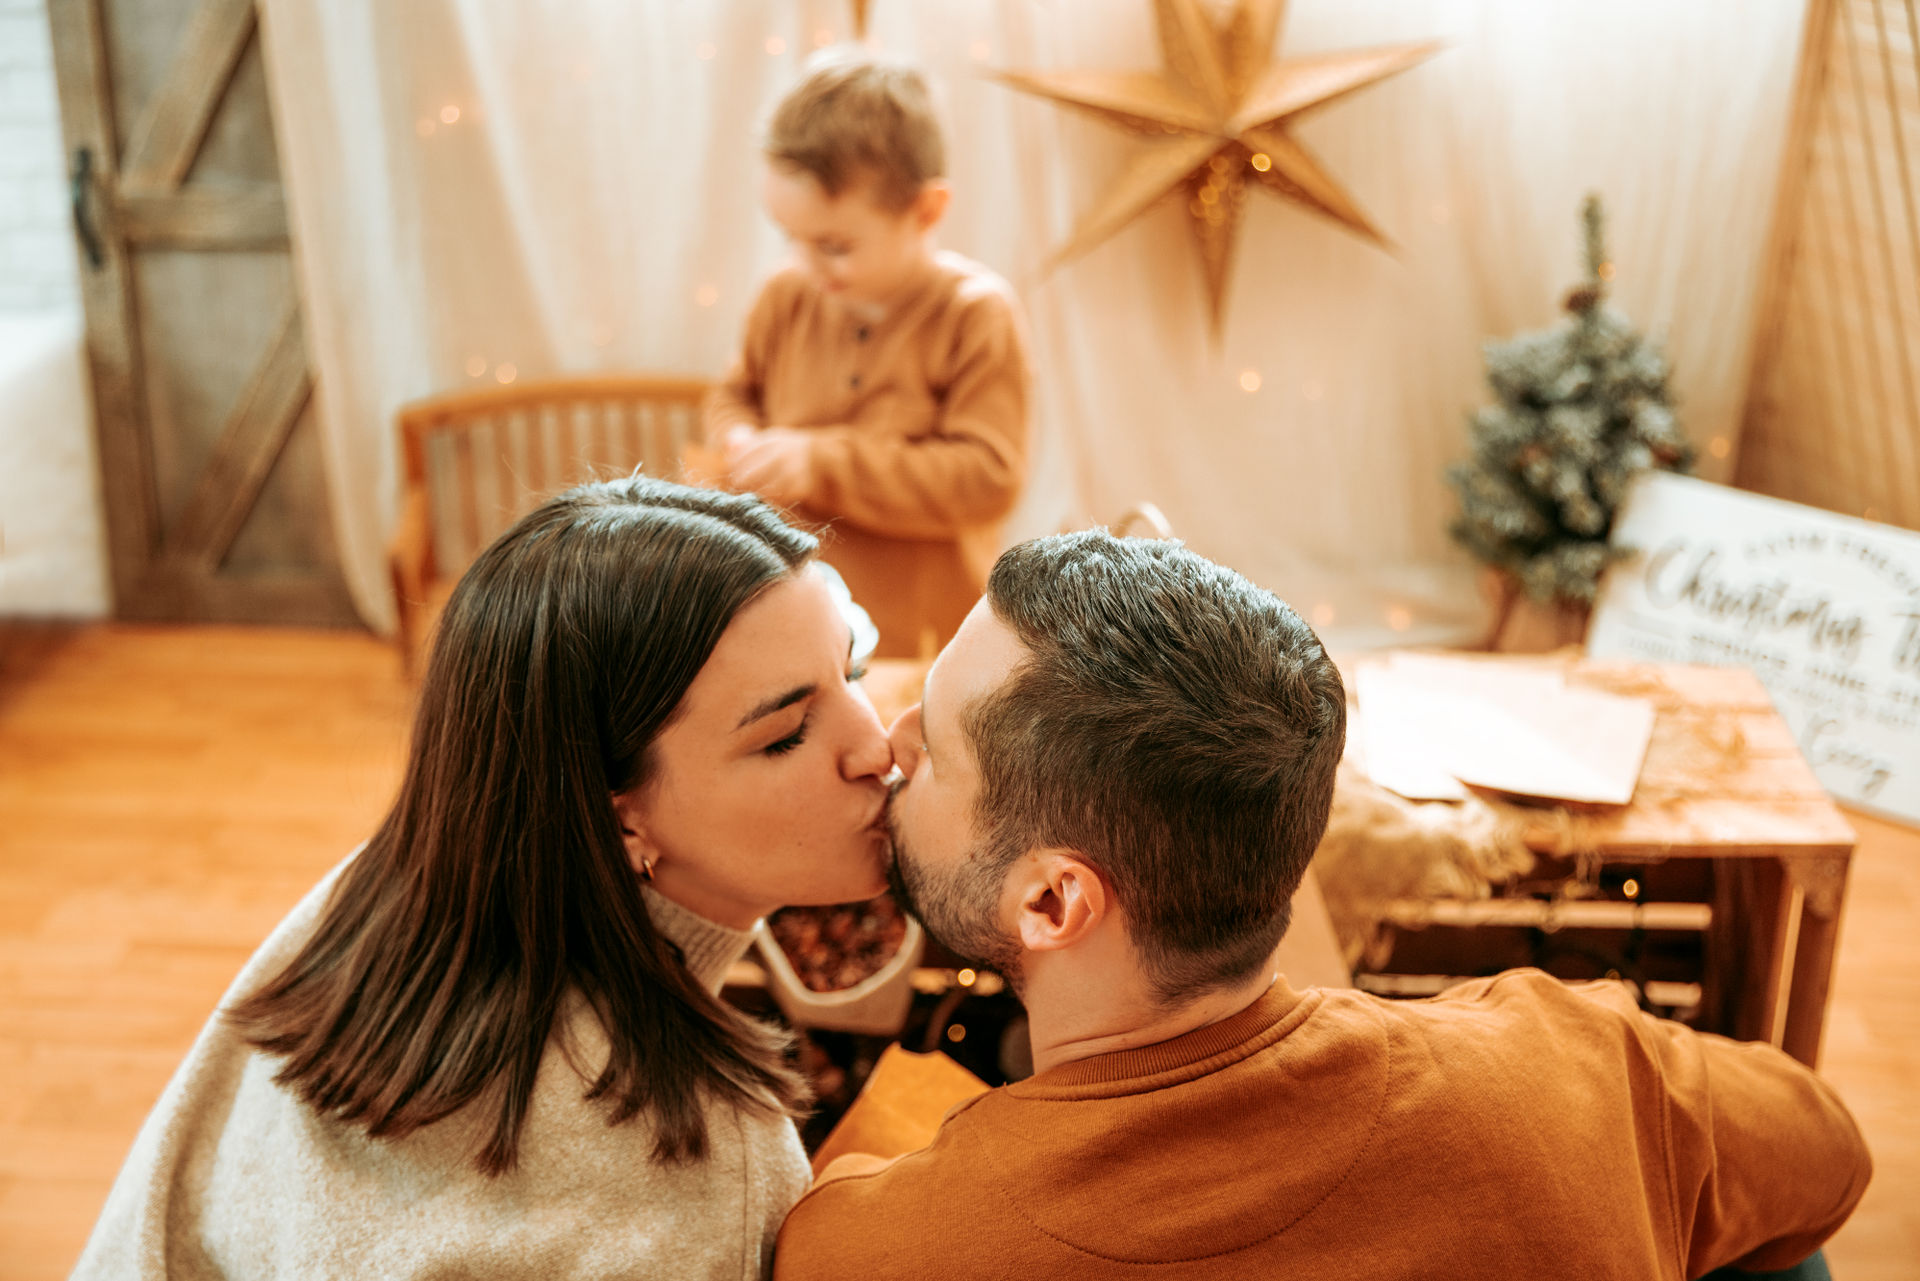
<point>476,366</point>
<point>957,1033</point>
<point>1250,380</point>
<point>1261,160</point>
<point>449,114</point>
<point>965,978</point>
<point>1399,618</point>
<point>506,374</point>
<point>1719,447</point>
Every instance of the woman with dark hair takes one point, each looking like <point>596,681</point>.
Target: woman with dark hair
<point>490,1044</point>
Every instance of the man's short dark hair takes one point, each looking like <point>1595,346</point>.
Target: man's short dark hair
<point>1177,726</point>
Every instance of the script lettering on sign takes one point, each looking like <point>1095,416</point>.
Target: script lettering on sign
<point>1823,608</point>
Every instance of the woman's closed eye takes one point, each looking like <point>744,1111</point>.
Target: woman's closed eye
<point>780,747</point>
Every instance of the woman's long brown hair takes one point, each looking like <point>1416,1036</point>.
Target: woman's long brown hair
<point>499,880</point>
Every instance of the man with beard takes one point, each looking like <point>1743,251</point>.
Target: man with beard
<point>1117,774</point>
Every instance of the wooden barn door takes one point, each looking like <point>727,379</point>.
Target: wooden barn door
<point>215,497</point>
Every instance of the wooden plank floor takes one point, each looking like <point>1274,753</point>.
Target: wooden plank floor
<point>166,794</point>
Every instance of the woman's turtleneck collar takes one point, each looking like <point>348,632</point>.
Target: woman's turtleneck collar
<point>709,947</point>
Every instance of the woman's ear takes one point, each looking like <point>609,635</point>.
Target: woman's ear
<point>630,809</point>
<point>1062,900</point>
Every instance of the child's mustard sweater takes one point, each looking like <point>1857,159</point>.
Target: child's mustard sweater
<point>920,433</point>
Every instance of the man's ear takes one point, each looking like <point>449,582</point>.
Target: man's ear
<point>630,808</point>
<point>1062,900</point>
<point>930,206</point>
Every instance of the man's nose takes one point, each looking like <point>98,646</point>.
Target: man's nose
<point>904,739</point>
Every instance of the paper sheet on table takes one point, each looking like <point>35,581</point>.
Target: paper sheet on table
<point>1432,724</point>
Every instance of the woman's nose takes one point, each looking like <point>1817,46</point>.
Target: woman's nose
<point>871,753</point>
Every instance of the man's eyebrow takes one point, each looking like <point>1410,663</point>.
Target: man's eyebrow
<point>768,707</point>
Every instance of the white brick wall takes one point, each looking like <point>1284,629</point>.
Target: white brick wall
<point>37,267</point>
<point>52,559</point>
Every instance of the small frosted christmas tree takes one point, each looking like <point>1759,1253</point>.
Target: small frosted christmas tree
<point>1583,408</point>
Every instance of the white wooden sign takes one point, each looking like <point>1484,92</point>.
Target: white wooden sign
<point>1825,610</point>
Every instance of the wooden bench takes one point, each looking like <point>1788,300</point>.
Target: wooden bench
<point>476,461</point>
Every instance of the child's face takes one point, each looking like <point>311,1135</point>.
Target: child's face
<point>855,248</point>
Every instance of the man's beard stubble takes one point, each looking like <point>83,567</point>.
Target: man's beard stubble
<point>957,908</point>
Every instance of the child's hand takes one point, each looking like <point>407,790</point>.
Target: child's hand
<point>774,462</point>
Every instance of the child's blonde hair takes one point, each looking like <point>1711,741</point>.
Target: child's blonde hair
<point>854,116</point>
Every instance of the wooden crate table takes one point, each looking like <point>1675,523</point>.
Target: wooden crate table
<point>1723,781</point>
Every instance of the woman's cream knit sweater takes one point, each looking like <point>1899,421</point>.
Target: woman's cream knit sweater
<point>233,1176</point>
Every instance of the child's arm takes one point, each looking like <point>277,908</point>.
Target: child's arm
<point>735,399</point>
<point>968,471</point>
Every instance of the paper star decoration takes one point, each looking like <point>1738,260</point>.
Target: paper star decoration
<point>1215,118</point>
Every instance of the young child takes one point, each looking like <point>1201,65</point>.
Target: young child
<point>881,388</point>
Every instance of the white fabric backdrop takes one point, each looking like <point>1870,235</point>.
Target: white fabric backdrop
<point>593,206</point>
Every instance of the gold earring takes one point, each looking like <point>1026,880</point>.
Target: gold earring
<point>646,869</point>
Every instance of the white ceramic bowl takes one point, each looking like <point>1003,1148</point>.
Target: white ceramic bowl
<point>877,1005</point>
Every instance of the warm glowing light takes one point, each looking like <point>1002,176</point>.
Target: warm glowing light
<point>425,127</point>
<point>1399,618</point>
<point>1313,391</point>
<point>965,978</point>
<point>775,46</point>
<point>1720,447</point>
<point>706,295</point>
<point>980,50</point>
<point>957,1033</point>
<point>822,38</point>
<point>704,51</point>
<point>476,365</point>
<point>1631,888</point>
<point>1249,380</point>
<point>506,373</point>
<point>449,114</point>
<point>1606,271</point>
<point>1262,161</point>
<point>1323,615</point>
